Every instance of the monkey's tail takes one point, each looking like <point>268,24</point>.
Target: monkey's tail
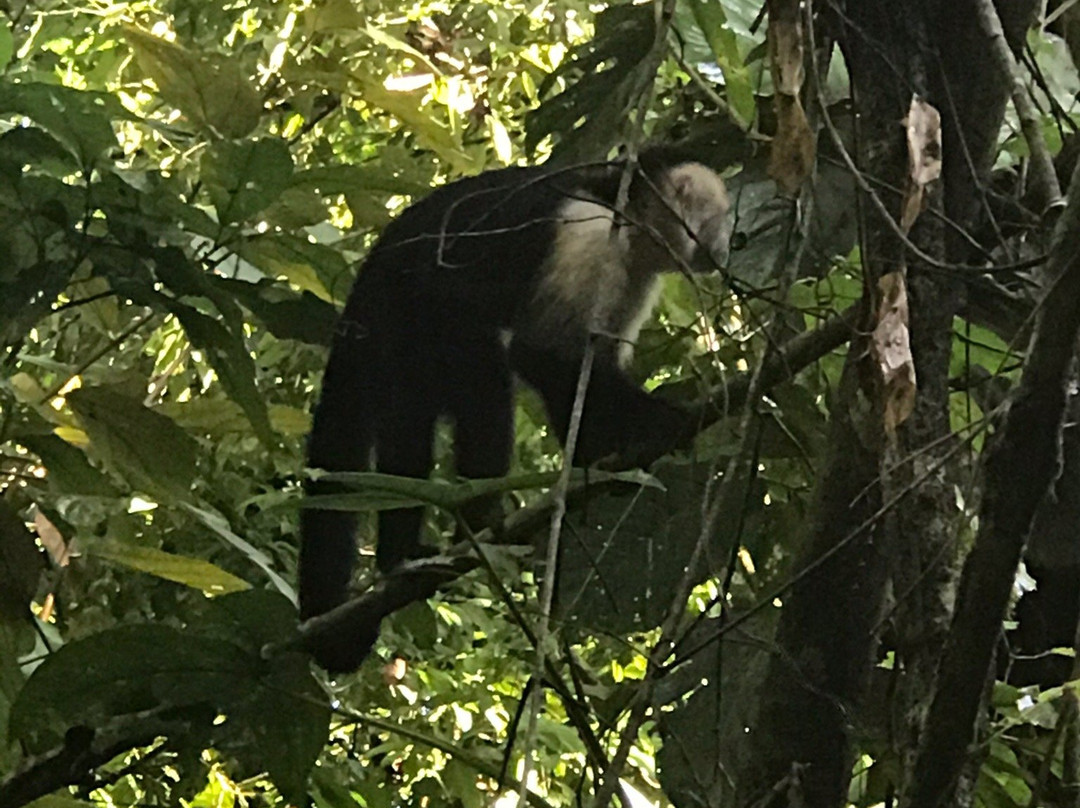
<point>342,438</point>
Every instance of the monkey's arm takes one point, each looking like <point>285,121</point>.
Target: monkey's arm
<point>619,418</point>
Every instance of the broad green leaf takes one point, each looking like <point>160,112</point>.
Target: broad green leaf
<point>289,421</point>
<point>601,78</point>
<point>220,416</point>
<point>244,178</point>
<point>123,671</point>
<point>81,120</point>
<point>287,739</point>
<point>333,14</point>
<point>711,18</point>
<point>369,178</point>
<point>141,445</point>
<point>60,801</point>
<point>193,572</point>
<point>16,639</point>
<point>7,45</point>
<point>30,296</point>
<point>395,44</point>
<point>69,472</point>
<point>209,88</point>
<point>286,314</point>
<point>229,357</point>
<point>33,145</point>
<point>275,714</point>
<point>210,416</point>
<point>375,491</point>
<point>315,268</point>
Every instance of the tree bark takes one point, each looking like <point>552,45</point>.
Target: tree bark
<point>1020,467</point>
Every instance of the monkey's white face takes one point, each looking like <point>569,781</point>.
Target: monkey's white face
<point>713,238</point>
<point>701,201</point>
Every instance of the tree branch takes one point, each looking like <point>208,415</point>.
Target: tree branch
<point>1020,467</point>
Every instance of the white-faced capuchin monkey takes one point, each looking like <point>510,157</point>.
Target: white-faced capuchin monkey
<point>508,272</point>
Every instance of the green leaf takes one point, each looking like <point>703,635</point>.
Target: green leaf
<point>372,177</point>
<point>122,671</point>
<point>375,492</point>
<point>193,572</point>
<point>407,107</point>
<point>214,662</point>
<point>245,178</point>
<point>601,77</point>
<point>286,314</point>
<point>209,88</point>
<point>287,739</point>
<point>220,526</point>
<point>60,801</point>
<point>332,15</point>
<point>143,446</point>
<point>379,492</point>
<point>711,18</point>
<point>229,357</point>
<point>30,296</point>
<point>210,416</point>
<point>81,120</point>
<point>7,46</point>
<point>315,268</point>
<point>69,472</point>
<point>418,619</point>
<point>32,145</point>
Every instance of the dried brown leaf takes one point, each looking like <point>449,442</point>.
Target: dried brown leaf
<point>891,348</point>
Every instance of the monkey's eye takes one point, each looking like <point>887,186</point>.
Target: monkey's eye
<point>739,240</point>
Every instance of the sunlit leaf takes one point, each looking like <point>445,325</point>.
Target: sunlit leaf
<point>7,45</point>
<point>81,120</point>
<point>301,263</point>
<point>712,19</point>
<point>209,88</point>
<point>221,527</point>
<point>193,572</point>
<point>227,354</point>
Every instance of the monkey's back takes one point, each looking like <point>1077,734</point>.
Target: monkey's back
<point>470,254</point>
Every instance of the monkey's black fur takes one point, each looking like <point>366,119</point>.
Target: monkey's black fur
<point>486,277</point>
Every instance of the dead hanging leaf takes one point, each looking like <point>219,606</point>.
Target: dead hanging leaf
<point>52,540</point>
<point>792,155</point>
<point>891,348</point>
<point>923,125</point>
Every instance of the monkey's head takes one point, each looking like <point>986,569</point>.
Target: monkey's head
<point>701,202</point>
<point>687,216</point>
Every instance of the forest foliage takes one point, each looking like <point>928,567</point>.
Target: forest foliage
<point>188,190</point>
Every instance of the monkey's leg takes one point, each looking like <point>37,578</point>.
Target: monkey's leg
<point>341,439</point>
<point>482,406</point>
<point>403,447</point>
<point>619,419</point>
